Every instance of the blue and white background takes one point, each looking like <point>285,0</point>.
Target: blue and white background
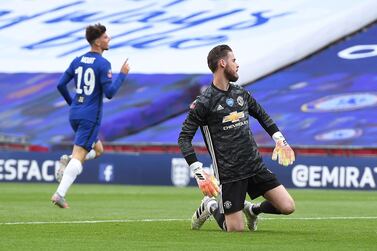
<point>328,99</point>
<point>174,36</point>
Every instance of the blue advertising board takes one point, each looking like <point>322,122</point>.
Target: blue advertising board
<point>315,172</point>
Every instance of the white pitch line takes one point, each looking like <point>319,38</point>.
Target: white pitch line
<point>167,220</point>
<point>325,218</point>
<point>87,221</point>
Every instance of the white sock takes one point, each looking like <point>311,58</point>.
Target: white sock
<point>90,155</point>
<point>73,169</point>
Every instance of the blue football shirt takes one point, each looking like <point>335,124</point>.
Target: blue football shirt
<point>92,77</point>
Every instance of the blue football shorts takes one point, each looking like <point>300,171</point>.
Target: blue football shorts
<point>86,133</point>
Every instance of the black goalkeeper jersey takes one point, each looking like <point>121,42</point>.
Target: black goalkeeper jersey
<point>223,117</point>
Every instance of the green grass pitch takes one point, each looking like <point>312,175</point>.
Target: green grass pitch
<point>111,217</point>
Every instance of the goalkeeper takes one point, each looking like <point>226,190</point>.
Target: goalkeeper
<point>222,113</point>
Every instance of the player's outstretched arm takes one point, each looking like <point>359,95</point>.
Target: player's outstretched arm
<point>282,152</point>
<point>208,184</point>
<point>125,67</point>
<point>111,88</point>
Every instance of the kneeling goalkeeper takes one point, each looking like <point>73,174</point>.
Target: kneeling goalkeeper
<point>222,113</point>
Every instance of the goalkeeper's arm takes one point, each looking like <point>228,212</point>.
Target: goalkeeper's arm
<point>197,116</point>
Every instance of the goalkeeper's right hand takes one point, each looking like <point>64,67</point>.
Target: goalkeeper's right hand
<point>208,184</point>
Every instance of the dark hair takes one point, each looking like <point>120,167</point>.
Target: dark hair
<point>93,32</point>
<point>216,54</point>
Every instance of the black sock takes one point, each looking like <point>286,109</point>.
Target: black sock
<point>219,217</point>
<point>265,207</point>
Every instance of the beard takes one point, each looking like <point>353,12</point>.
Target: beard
<point>230,76</point>
<point>105,47</point>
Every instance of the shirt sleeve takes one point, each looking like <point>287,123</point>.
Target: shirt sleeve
<point>63,81</point>
<point>110,88</point>
<point>257,111</point>
<point>195,118</point>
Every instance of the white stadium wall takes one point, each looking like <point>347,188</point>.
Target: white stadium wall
<point>174,36</point>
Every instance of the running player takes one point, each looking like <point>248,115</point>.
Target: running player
<point>92,77</point>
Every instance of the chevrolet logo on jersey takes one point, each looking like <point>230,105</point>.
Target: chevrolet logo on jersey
<point>234,117</point>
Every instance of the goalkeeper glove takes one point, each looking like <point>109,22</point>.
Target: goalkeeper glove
<point>282,152</point>
<point>208,184</point>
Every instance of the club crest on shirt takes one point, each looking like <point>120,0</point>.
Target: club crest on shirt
<point>109,74</point>
<point>230,102</point>
<point>240,101</point>
<point>227,204</point>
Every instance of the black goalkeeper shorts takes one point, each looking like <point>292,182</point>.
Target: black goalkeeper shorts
<point>234,193</point>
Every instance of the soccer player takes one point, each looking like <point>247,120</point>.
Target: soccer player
<point>92,77</point>
<point>222,113</point>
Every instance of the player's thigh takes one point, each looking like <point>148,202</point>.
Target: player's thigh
<point>263,181</point>
<point>233,196</point>
<point>86,134</point>
<point>281,199</point>
<point>234,221</point>
<point>232,202</point>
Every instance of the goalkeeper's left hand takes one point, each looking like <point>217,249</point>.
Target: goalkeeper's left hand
<point>282,152</point>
